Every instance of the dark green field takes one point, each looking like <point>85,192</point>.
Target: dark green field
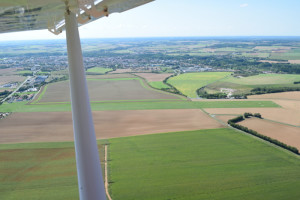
<point>206,164</point>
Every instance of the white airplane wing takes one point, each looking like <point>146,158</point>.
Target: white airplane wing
<point>22,15</point>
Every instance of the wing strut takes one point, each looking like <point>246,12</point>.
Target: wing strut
<point>90,181</point>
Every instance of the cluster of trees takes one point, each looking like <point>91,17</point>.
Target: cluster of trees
<point>264,90</point>
<point>247,115</point>
<point>233,122</point>
<point>202,93</point>
<point>5,93</point>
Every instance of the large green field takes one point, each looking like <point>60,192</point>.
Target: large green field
<point>245,84</point>
<point>188,83</point>
<point>99,70</point>
<point>138,105</point>
<point>206,164</point>
<point>264,79</point>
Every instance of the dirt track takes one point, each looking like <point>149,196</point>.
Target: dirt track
<point>286,134</point>
<point>57,126</point>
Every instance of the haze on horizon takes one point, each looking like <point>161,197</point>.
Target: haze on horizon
<point>176,18</point>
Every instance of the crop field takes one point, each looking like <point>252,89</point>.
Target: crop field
<point>155,80</point>
<point>98,70</point>
<point>292,54</point>
<point>158,84</point>
<point>12,78</point>
<point>206,164</point>
<point>265,79</point>
<point>137,105</point>
<point>287,116</point>
<point>282,95</point>
<point>8,71</point>
<point>245,84</point>
<point>119,89</point>
<point>287,134</point>
<point>188,83</point>
<point>35,171</point>
<point>150,77</point>
<point>39,126</point>
<point>110,76</point>
<point>120,71</point>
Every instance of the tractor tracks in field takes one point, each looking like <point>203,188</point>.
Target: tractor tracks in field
<point>106,174</point>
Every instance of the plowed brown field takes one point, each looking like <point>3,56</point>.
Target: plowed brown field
<point>276,114</point>
<point>106,90</point>
<point>282,95</point>
<point>288,114</point>
<point>57,126</point>
<point>284,133</point>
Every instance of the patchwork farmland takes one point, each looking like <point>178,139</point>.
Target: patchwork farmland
<point>161,138</point>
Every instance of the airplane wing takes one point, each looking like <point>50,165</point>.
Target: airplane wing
<point>22,15</point>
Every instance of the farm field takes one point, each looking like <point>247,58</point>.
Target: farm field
<point>246,84</point>
<point>288,113</point>
<point>282,115</point>
<point>12,78</point>
<point>264,79</point>
<point>151,77</point>
<point>120,71</point>
<point>34,171</point>
<point>117,89</point>
<point>136,105</point>
<point>282,95</point>
<point>284,133</point>
<point>155,80</point>
<point>98,70</point>
<point>39,126</point>
<point>110,76</point>
<point>188,83</point>
<point>205,164</point>
<point>8,71</point>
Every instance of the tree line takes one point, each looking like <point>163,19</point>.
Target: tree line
<point>233,122</point>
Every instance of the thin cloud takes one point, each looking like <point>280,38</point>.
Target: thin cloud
<point>244,5</point>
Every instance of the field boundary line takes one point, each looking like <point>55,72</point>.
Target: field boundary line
<point>106,173</point>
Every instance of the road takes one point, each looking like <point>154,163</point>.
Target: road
<point>28,77</point>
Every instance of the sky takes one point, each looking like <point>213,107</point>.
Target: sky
<point>181,18</point>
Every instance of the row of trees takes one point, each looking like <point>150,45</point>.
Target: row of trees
<point>264,90</point>
<point>233,122</point>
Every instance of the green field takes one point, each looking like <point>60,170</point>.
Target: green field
<point>206,164</point>
<point>99,70</point>
<point>245,84</point>
<point>264,79</point>
<point>293,54</point>
<point>188,83</point>
<point>138,105</point>
<point>158,84</point>
<point>39,171</point>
